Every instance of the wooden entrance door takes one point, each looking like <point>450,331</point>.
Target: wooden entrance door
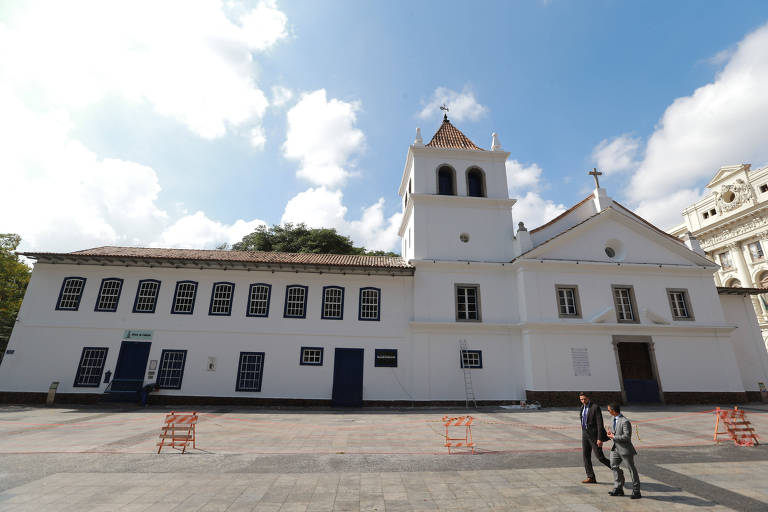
<point>637,372</point>
<point>348,377</point>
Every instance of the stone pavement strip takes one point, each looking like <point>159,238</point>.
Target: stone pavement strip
<point>86,458</point>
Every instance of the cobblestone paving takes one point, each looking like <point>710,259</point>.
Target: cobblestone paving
<point>63,459</point>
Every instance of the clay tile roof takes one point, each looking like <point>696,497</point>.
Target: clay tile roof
<point>335,260</point>
<point>448,136</point>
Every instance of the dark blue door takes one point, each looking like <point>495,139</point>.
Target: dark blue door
<point>129,372</point>
<point>640,384</point>
<point>348,377</point>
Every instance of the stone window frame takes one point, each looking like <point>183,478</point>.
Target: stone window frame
<point>71,293</point>
<point>313,353</point>
<point>476,286</point>
<point>729,257</point>
<point>686,300</point>
<point>632,303</point>
<point>576,300</point>
<point>109,294</point>
<point>752,256</point>
<point>453,179</point>
<point>91,367</point>
<point>478,353</point>
<point>483,185</point>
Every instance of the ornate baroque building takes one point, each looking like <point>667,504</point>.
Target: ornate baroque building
<point>731,227</point>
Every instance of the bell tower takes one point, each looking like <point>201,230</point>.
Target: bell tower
<point>456,205</point>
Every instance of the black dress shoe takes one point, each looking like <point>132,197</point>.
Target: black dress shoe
<point>636,495</point>
<point>617,492</point>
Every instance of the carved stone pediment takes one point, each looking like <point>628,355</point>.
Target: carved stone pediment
<point>733,232</point>
<point>733,195</point>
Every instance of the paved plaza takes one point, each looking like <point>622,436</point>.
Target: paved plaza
<point>271,459</point>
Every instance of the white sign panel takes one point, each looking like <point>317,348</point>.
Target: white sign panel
<point>580,360</point>
<point>137,335</point>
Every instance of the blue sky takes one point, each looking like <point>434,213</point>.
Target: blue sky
<point>188,124</point>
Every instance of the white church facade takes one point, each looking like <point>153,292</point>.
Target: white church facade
<point>595,300</point>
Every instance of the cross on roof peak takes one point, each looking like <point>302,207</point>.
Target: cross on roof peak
<point>446,109</point>
<point>595,173</point>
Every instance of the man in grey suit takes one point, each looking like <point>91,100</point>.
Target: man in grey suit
<point>621,434</point>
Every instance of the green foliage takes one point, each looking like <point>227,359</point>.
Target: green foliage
<point>299,238</point>
<point>14,276</point>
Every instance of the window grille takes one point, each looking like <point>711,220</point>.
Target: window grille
<point>249,371</point>
<point>90,367</point>
<point>678,301</point>
<point>471,358</point>
<point>624,308</point>
<point>258,300</point>
<point>71,291</point>
<point>467,304</point>
<point>184,299</point>
<point>109,294</point>
<point>567,301</point>
<point>295,301</point>
<point>333,302</point>
<point>312,356</point>
<point>221,298</point>
<point>370,301</point>
<point>146,296</point>
<point>171,371</point>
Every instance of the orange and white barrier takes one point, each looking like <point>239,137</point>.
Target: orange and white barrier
<point>178,431</point>
<point>737,427</point>
<point>464,422</point>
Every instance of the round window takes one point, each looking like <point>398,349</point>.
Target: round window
<point>610,252</point>
<point>464,237</point>
<point>729,196</point>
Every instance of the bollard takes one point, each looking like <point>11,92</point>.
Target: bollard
<point>51,393</point>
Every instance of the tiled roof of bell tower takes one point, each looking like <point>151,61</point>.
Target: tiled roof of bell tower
<point>448,136</point>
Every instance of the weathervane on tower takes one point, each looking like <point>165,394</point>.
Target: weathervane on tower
<point>595,173</point>
<point>444,107</point>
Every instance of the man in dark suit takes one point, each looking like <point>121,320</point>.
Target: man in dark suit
<point>592,436</point>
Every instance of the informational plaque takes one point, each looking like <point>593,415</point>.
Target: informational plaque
<point>580,360</point>
<point>137,335</point>
<point>386,358</point>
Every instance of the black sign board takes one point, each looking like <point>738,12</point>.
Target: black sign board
<point>386,357</point>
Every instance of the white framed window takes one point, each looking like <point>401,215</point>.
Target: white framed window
<point>184,298</point>
<point>249,371</point>
<point>311,356</point>
<point>221,299</point>
<point>370,304</point>
<point>679,304</point>
<point>471,358</point>
<point>568,301</point>
<point>109,294</point>
<point>295,301</point>
<point>623,299</point>
<point>146,296</point>
<point>171,371</point>
<point>258,299</point>
<point>725,260</point>
<point>467,303</point>
<point>756,251</point>
<point>90,367</point>
<point>70,294</point>
<point>333,303</point>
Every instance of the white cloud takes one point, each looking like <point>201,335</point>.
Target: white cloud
<point>323,137</point>
<point>462,105</point>
<point>323,208</point>
<point>521,176</point>
<point>281,95</point>
<point>66,197</point>
<point>534,210</point>
<point>721,123</point>
<point>187,60</point>
<point>616,155</point>
<point>198,231</point>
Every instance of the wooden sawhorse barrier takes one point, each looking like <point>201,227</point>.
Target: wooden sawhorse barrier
<point>178,431</point>
<point>737,427</point>
<point>464,422</point>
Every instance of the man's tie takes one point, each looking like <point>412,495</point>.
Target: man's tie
<point>584,418</point>
<point>614,424</point>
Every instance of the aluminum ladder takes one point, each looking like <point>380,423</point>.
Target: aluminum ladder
<point>469,392</point>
